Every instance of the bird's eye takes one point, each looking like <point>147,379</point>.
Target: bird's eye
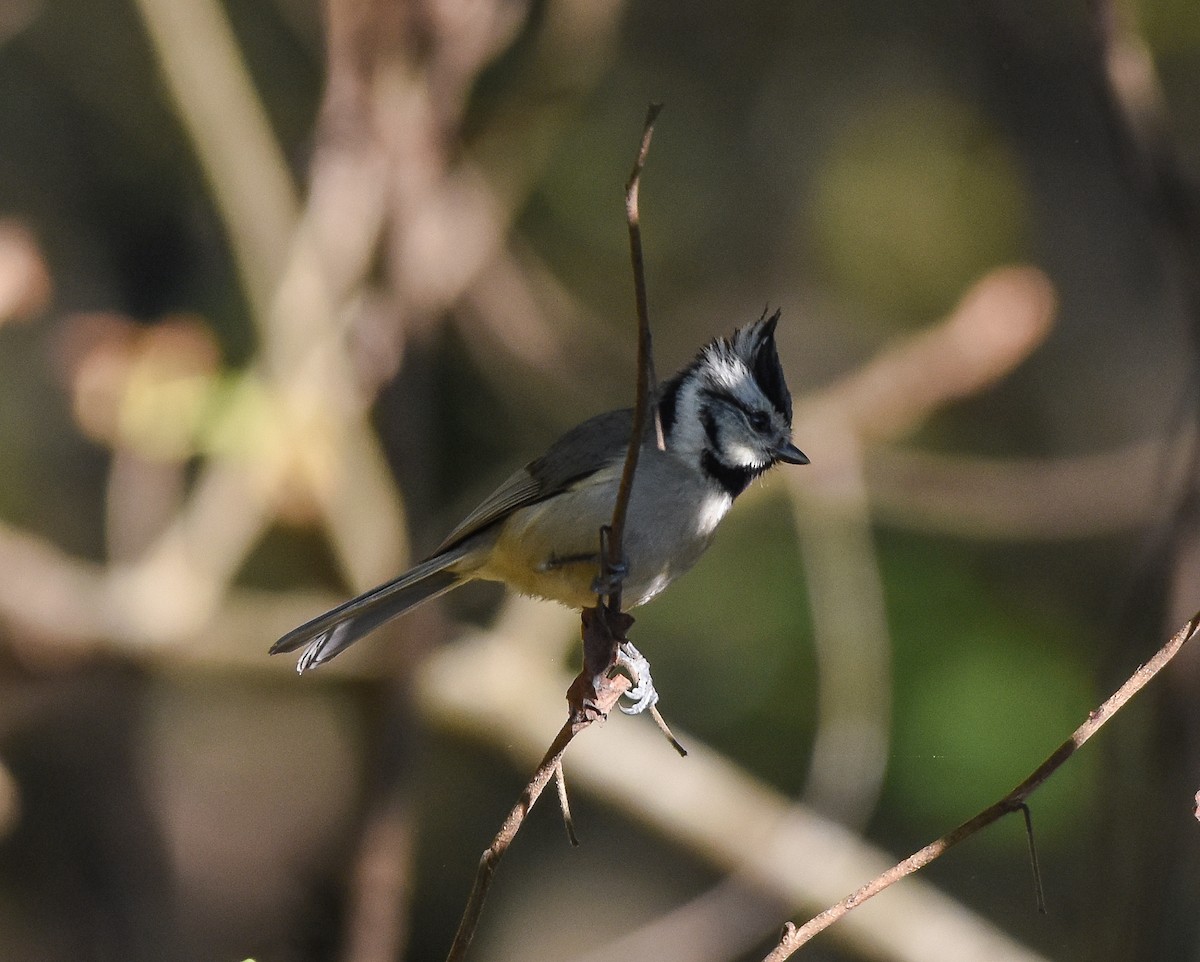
<point>759,421</point>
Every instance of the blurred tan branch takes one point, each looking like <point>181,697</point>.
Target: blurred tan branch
<point>301,269</point>
<point>228,127</point>
<point>66,609</point>
<point>294,303</point>
<point>1090,495</point>
<point>25,285</point>
<point>10,801</point>
<point>397,152</point>
<point>997,324</point>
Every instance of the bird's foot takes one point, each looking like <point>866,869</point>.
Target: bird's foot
<point>634,663</point>
<point>610,578</point>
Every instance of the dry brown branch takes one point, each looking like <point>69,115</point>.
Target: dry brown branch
<point>794,937</point>
<point>644,389</point>
<point>606,700</point>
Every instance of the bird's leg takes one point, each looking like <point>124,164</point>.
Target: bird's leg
<point>613,571</point>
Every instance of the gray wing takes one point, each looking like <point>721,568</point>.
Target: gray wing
<point>582,451</point>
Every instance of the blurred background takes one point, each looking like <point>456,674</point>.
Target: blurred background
<point>286,286</point>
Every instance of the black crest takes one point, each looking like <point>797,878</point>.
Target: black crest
<point>764,362</point>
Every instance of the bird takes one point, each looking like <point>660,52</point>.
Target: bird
<point>726,418</point>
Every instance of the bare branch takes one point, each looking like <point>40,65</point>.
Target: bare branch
<point>551,762</point>
<point>794,937</point>
<point>617,529</point>
<point>564,805</point>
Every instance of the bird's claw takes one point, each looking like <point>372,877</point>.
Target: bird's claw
<point>642,693</point>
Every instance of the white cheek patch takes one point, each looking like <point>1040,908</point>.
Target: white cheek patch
<point>712,510</point>
<point>742,455</point>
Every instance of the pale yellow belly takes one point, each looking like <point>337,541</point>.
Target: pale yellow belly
<point>551,550</point>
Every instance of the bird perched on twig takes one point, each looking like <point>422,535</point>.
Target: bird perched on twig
<point>726,418</point>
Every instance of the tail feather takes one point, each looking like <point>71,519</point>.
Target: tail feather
<point>328,634</point>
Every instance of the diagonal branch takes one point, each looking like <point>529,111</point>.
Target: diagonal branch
<point>220,111</point>
<point>550,763</point>
<point>794,938</point>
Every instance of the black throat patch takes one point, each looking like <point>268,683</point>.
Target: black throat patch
<point>733,481</point>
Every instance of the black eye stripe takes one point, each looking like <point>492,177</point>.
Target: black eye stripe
<point>720,397</point>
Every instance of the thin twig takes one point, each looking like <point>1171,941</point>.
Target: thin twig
<point>564,804</point>
<point>551,762</point>
<point>794,938</point>
<point>666,730</point>
<point>1039,892</point>
<point>613,557</point>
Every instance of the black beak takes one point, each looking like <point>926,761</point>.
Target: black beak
<point>790,453</point>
